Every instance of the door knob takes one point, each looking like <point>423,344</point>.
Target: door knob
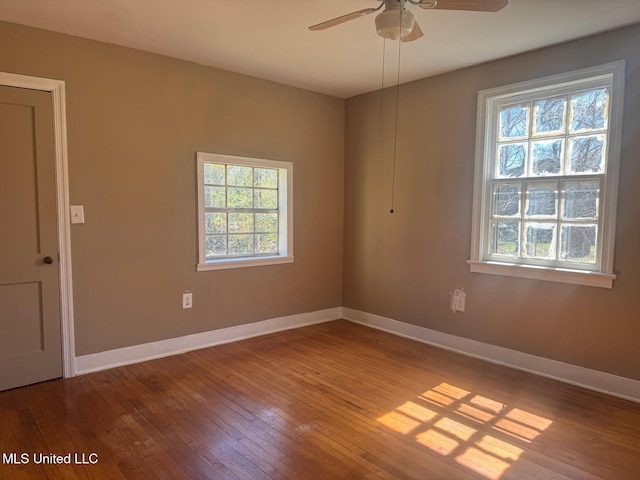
<point>47,260</point>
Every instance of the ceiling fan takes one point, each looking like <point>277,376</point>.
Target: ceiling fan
<point>395,21</point>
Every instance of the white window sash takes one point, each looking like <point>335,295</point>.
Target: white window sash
<point>601,275</point>
<point>285,210</point>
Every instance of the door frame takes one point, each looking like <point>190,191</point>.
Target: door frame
<point>57,90</point>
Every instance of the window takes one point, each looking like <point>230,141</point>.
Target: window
<point>244,211</point>
<point>546,177</point>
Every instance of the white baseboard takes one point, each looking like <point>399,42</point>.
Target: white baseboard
<point>583,377</point>
<point>173,346</point>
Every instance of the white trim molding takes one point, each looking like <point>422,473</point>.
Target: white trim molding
<point>607,383</point>
<point>140,353</point>
<point>57,89</point>
<point>534,272</point>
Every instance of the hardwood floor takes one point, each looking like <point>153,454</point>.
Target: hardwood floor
<point>331,401</point>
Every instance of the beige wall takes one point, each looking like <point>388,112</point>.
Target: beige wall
<point>135,121</point>
<point>404,265</point>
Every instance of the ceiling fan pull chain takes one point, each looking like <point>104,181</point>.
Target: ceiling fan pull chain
<point>395,132</point>
<point>384,47</point>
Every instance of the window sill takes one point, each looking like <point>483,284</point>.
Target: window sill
<point>577,277</point>
<point>224,264</point>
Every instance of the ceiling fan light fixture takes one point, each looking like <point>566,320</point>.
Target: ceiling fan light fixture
<point>394,23</point>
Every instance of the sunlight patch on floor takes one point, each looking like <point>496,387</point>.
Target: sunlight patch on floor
<point>483,463</point>
<point>438,442</point>
<point>480,433</point>
<point>398,422</point>
<point>417,411</point>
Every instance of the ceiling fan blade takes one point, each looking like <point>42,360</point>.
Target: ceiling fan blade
<point>415,34</point>
<point>344,18</point>
<point>471,5</point>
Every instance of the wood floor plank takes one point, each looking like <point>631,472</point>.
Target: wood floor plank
<point>329,401</point>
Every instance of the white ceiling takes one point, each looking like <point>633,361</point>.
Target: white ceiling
<point>270,39</point>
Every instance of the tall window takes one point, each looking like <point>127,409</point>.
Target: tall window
<point>546,177</point>
<point>245,214</point>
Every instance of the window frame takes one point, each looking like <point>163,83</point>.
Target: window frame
<point>285,213</point>
<point>598,275</point>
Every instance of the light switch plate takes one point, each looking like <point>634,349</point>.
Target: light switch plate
<point>77,213</point>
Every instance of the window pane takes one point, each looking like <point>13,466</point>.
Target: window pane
<point>267,243</point>
<point>214,174</point>
<point>237,175</point>
<point>589,110</point>
<point>514,122</point>
<point>581,199</point>
<point>546,157</point>
<point>542,200</point>
<point>506,238</point>
<point>549,116</point>
<point>506,200</point>
<point>266,198</point>
<point>587,154</point>
<point>239,197</point>
<point>214,197</point>
<point>215,245</point>
<point>265,177</point>
<point>240,222</point>
<point>511,159</point>
<point>215,222</point>
<point>540,240</point>
<point>240,244</point>
<point>579,243</point>
<point>266,222</point>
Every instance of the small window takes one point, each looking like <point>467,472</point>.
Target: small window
<point>244,211</point>
<point>546,177</point>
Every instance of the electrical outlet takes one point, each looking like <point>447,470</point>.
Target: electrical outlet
<point>187,300</point>
<point>458,299</point>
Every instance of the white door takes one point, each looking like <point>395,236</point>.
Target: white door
<point>30,332</point>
